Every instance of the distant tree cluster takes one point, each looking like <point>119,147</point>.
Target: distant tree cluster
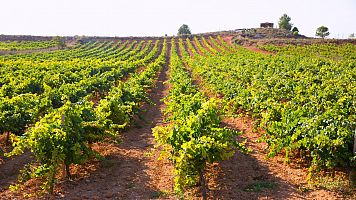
<point>184,30</point>
<point>59,42</point>
<point>295,31</point>
<point>284,23</point>
<point>322,31</point>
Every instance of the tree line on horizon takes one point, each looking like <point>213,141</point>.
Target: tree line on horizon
<point>283,23</point>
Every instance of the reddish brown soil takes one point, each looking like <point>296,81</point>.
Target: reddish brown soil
<point>238,177</point>
<point>95,98</point>
<point>196,48</point>
<point>71,43</point>
<point>28,51</point>
<point>10,167</point>
<point>196,78</point>
<point>143,46</point>
<point>131,169</point>
<point>228,39</point>
<point>223,46</point>
<point>205,47</point>
<point>188,49</point>
<point>179,52</point>
<point>122,45</point>
<point>255,49</point>
<point>213,45</point>
<point>235,177</point>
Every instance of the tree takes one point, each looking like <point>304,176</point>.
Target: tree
<point>284,22</point>
<point>295,31</point>
<point>184,30</point>
<point>352,36</point>
<point>59,42</point>
<point>322,31</point>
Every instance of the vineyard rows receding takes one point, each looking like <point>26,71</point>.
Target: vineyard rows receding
<point>55,104</point>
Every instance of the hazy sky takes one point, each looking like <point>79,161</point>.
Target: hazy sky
<point>159,17</point>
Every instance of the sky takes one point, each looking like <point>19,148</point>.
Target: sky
<point>160,17</point>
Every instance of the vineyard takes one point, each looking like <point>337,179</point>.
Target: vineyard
<point>25,45</point>
<point>184,117</point>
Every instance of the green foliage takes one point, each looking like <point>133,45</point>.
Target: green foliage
<point>302,97</point>
<point>284,22</point>
<point>295,31</point>
<point>25,45</point>
<point>184,30</point>
<point>116,110</point>
<point>194,137</point>
<point>197,141</point>
<point>54,89</point>
<point>322,31</point>
<point>32,87</point>
<point>59,42</point>
<point>17,112</point>
<point>60,138</point>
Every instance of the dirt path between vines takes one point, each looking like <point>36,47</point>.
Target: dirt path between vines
<point>9,167</point>
<point>253,48</point>
<point>205,47</point>
<point>225,48</point>
<point>211,43</point>
<point>252,176</point>
<point>228,39</point>
<point>132,170</point>
<point>195,46</point>
<point>257,50</point>
<point>28,51</point>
